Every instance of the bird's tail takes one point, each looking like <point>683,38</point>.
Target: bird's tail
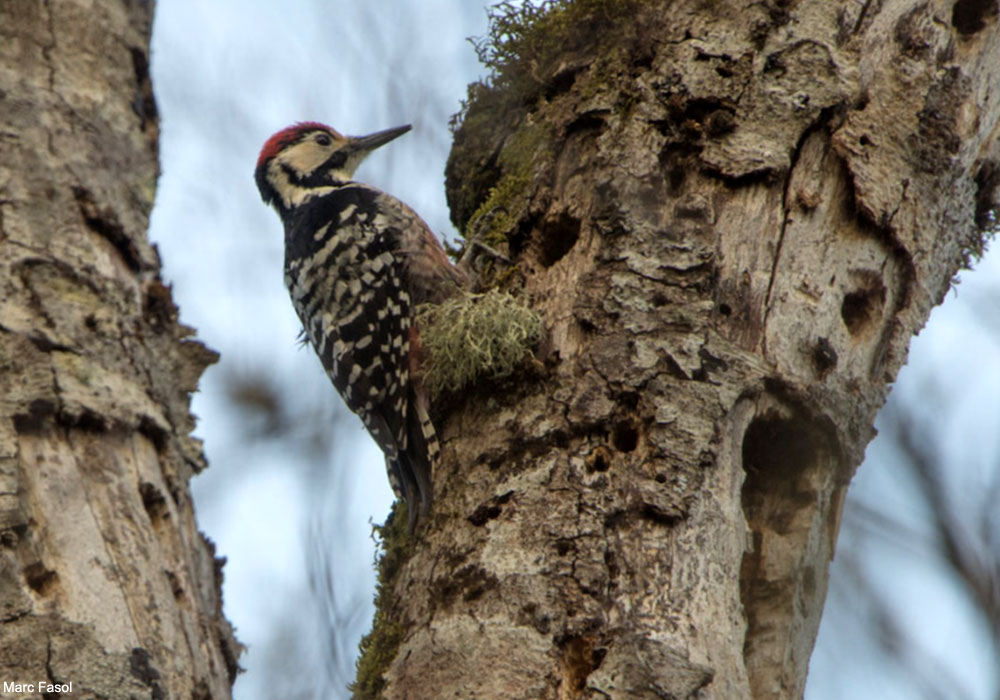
<point>417,462</point>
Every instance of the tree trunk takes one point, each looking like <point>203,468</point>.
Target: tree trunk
<point>105,581</point>
<point>732,217</point>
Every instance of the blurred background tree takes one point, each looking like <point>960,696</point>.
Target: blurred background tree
<point>107,587</point>
<point>294,481</point>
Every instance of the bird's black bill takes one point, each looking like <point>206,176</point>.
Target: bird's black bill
<point>379,138</point>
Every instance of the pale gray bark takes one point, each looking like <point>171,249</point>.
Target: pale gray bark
<point>733,217</point>
<point>105,581</point>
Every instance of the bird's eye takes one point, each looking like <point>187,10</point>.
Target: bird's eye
<point>323,139</point>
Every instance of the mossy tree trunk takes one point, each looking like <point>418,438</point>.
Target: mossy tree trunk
<point>732,217</point>
<point>105,581</point>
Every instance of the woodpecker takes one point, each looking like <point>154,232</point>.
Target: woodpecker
<point>357,263</point>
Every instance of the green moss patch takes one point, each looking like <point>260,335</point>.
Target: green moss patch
<point>379,647</point>
<point>527,41</point>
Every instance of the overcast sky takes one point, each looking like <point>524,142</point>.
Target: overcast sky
<point>229,73</point>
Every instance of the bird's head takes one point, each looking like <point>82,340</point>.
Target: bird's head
<point>298,160</point>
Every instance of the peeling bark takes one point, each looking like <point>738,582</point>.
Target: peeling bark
<point>105,581</point>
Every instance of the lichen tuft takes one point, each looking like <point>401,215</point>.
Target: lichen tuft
<point>476,336</point>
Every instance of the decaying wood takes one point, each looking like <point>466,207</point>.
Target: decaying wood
<point>733,217</point>
<point>105,581</point>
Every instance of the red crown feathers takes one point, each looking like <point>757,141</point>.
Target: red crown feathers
<point>285,137</point>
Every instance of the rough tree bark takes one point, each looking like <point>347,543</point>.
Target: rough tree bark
<point>105,581</point>
<point>733,217</point>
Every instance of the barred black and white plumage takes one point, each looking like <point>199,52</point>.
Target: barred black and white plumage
<point>357,262</point>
